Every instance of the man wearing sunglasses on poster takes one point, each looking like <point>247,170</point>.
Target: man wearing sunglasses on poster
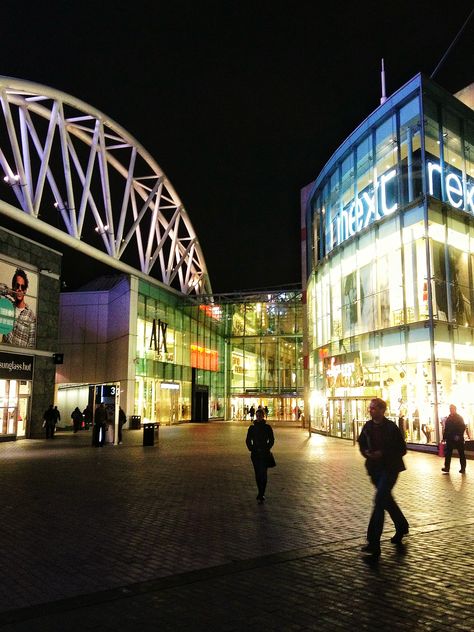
<point>23,333</point>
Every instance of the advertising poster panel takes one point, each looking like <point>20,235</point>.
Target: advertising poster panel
<point>18,303</point>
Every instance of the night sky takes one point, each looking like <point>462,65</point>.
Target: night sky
<point>241,103</point>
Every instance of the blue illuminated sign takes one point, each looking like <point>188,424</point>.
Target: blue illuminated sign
<point>459,193</point>
<point>365,208</point>
<point>381,200</point>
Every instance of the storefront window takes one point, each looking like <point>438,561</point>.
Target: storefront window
<point>348,293</point>
<point>364,166</point>
<point>336,298</point>
<point>453,155</point>
<point>469,157</point>
<point>366,255</point>
<point>390,308</point>
<point>334,204</point>
<point>410,151</point>
<point>347,180</point>
<point>416,283</point>
<point>433,139</point>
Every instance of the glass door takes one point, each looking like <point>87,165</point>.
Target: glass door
<point>8,406</point>
<point>344,413</point>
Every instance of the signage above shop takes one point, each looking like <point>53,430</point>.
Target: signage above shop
<point>344,370</point>
<point>158,336</point>
<point>380,200</point>
<point>458,193</point>
<point>204,358</point>
<point>366,208</point>
<point>170,386</point>
<point>15,366</point>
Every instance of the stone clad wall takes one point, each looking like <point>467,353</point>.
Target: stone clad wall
<point>20,250</point>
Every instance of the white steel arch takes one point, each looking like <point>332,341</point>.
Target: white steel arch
<point>73,169</point>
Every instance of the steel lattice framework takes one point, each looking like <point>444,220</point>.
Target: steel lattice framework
<point>81,177</point>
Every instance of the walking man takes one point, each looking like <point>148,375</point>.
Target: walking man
<point>50,422</point>
<point>122,420</point>
<point>383,446</point>
<point>100,426</point>
<point>77,418</point>
<point>453,435</point>
<point>260,441</point>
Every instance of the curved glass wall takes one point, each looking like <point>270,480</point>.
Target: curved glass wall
<point>391,255</point>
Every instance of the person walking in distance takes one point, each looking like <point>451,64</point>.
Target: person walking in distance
<point>122,420</point>
<point>88,416</point>
<point>453,436</point>
<point>77,418</point>
<point>57,416</point>
<point>259,441</point>
<point>50,422</point>
<point>100,425</point>
<point>383,446</point>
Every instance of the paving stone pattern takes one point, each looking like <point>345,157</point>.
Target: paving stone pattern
<point>171,537</point>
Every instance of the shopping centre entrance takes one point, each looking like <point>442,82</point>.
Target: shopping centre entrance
<point>345,413</point>
<point>279,408</point>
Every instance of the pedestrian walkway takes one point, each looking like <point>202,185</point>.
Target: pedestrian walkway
<point>170,537</point>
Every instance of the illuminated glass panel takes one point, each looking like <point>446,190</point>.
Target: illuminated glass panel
<point>410,151</point>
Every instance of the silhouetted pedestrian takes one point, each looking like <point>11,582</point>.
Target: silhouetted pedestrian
<point>122,420</point>
<point>100,425</point>
<point>49,422</point>
<point>259,441</point>
<point>76,417</point>
<point>453,435</point>
<point>57,415</point>
<point>88,416</point>
<point>383,446</point>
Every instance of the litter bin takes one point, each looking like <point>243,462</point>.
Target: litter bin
<point>149,433</point>
<point>110,433</point>
<point>135,422</point>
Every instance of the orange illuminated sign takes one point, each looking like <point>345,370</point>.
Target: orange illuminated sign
<point>214,311</point>
<point>203,358</point>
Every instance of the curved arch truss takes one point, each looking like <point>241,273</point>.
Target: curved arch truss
<point>70,166</point>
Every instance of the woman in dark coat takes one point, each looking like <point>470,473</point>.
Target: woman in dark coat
<point>259,441</point>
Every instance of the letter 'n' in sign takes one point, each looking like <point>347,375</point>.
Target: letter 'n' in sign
<point>158,336</point>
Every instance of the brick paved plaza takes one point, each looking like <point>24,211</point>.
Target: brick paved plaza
<point>171,537</point>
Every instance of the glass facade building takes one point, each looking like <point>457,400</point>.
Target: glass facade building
<point>172,358</point>
<point>389,265</point>
<point>179,354</point>
<point>240,350</point>
<point>264,361</point>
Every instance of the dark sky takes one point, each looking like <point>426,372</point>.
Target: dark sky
<point>241,103</point>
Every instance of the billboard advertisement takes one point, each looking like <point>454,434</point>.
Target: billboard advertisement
<point>18,304</point>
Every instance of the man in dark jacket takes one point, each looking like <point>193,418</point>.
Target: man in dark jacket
<point>100,425</point>
<point>453,435</point>
<point>77,418</point>
<point>383,446</point>
<point>122,420</point>
<point>259,441</point>
<point>50,422</point>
